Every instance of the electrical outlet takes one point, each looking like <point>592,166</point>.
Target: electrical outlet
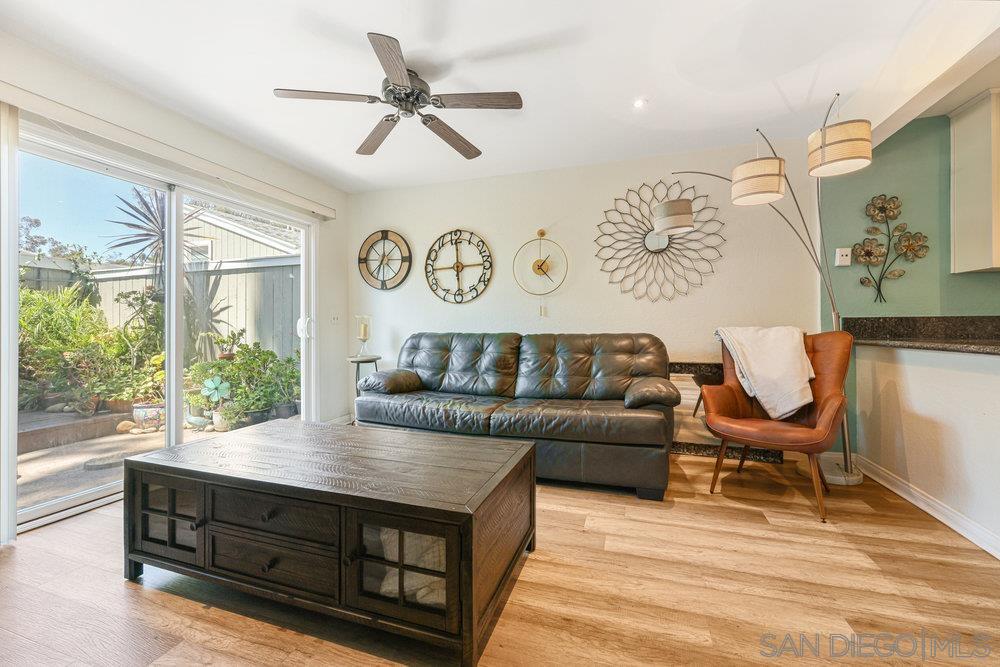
<point>843,257</point>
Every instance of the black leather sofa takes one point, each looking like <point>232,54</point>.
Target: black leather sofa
<point>600,407</point>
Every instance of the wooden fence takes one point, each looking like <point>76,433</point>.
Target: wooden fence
<point>261,295</point>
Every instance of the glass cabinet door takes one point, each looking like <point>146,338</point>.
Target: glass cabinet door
<point>403,567</point>
<point>170,518</point>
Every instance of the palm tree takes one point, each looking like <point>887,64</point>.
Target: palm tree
<point>147,238</point>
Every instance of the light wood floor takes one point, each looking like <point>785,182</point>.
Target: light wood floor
<point>696,579</point>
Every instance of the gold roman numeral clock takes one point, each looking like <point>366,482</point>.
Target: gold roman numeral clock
<point>384,259</point>
<point>459,266</point>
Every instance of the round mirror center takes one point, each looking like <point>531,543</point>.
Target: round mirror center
<point>655,242</point>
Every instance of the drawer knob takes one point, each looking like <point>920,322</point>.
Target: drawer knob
<point>267,515</point>
<point>268,566</point>
<point>195,525</point>
<point>348,559</point>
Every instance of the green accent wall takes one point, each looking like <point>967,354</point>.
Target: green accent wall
<point>915,165</point>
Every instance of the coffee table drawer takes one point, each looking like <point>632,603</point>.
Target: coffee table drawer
<point>277,515</point>
<point>313,574</point>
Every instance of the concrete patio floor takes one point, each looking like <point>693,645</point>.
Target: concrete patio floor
<point>56,472</point>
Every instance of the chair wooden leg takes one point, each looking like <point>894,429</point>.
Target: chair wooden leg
<point>743,458</point>
<point>817,485</point>
<point>697,404</point>
<point>718,465</point>
<point>822,478</point>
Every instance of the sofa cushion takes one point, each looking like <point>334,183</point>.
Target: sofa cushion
<point>590,366</point>
<point>582,420</point>
<point>463,363</point>
<point>433,410</point>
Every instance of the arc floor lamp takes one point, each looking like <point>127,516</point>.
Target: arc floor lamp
<point>834,149</point>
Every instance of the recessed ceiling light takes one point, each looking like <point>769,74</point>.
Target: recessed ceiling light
<point>639,103</point>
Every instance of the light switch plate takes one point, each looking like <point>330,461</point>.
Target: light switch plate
<point>843,257</point>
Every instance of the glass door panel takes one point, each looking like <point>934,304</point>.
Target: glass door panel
<point>403,568</point>
<point>91,344</point>
<point>242,351</point>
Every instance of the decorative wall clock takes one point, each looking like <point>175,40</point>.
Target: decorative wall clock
<point>540,265</point>
<point>459,266</point>
<point>647,265</point>
<point>384,259</point>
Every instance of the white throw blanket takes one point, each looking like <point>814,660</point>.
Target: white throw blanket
<point>772,365</point>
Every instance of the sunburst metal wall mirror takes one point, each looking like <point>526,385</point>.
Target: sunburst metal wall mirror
<point>648,265</point>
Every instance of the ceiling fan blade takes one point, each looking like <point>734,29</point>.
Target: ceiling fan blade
<point>451,137</point>
<point>509,100</point>
<point>377,135</point>
<point>390,55</point>
<point>324,95</point>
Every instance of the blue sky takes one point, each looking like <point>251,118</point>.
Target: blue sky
<point>74,204</point>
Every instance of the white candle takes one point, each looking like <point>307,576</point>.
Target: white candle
<point>362,330</point>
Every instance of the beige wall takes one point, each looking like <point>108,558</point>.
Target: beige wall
<point>928,430</point>
<point>764,277</point>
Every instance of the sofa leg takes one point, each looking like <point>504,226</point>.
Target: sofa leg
<point>718,465</point>
<point>649,494</point>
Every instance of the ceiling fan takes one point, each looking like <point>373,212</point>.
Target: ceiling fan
<point>404,89</point>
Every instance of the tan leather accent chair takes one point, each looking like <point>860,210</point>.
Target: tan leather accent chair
<point>736,418</point>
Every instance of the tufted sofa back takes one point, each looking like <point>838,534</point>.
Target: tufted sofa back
<point>587,366</point>
<point>463,363</point>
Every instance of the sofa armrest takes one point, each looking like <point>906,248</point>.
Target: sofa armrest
<point>396,381</point>
<point>652,391</point>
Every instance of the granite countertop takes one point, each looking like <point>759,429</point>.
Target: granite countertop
<point>974,334</point>
<point>971,346</point>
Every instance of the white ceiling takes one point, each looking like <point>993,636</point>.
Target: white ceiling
<point>712,71</point>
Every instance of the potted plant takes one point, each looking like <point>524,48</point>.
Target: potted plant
<point>285,378</point>
<point>217,391</point>
<point>253,389</point>
<point>147,388</point>
<point>228,344</point>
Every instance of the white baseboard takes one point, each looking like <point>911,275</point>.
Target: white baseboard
<point>973,531</point>
<point>343,420</point>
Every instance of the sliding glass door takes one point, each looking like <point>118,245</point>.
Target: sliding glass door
<point>243,301</point>
<point>92,321</point>
<point>148,315</point>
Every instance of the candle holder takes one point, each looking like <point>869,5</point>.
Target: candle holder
<point>364,332</point>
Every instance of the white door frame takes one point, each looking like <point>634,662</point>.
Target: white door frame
<point>9,281</point>
<point>307,328</point>
<point>174,320</point>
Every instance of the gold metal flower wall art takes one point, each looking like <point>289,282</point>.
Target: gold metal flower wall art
<point>650,266</point>
<point>873,252</point>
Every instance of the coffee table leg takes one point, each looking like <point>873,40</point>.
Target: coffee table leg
<point>133,569</point>
<point>357,379</point>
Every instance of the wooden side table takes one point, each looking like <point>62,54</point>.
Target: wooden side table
<point>357,361</point>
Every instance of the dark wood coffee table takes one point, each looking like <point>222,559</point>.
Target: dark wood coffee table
<point>417,533</point>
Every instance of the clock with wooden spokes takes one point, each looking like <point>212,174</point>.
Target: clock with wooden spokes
<point>384,259</point>
<point>459,266</point>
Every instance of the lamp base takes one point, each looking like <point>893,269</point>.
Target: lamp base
<point>833,470</point>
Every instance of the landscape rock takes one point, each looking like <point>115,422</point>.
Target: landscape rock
<point>55,407</point>
<point>209,428</point>
<point>162,428</point>
<point>135,431</point>
<point>151,429</point>
<point>69,408</point>
<point>125,426</point>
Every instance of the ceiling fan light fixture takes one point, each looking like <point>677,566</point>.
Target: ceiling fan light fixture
<point>758,181</point>
<point>674,216</point>
<point>840,148</point>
